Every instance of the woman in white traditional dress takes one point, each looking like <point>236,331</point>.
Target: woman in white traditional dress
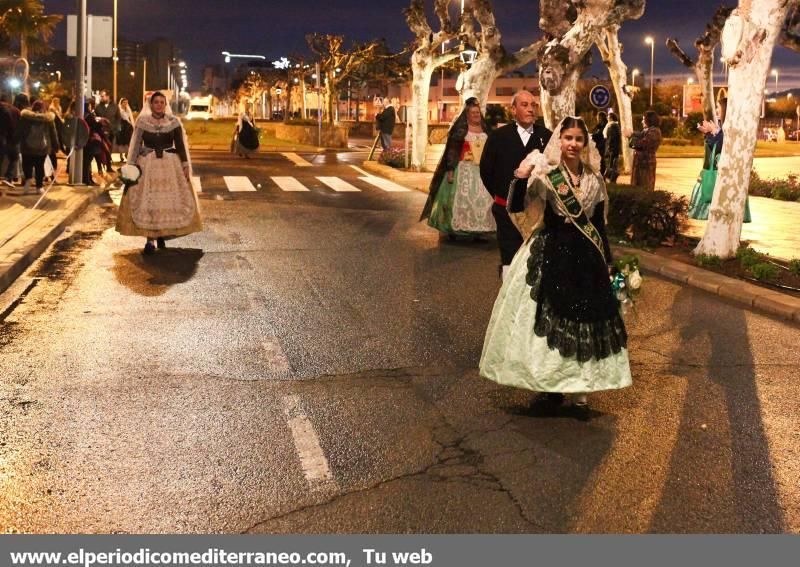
<point>556,326</point>
<point>162,204</point>
<point>126,126</point>
<point>458,203</point>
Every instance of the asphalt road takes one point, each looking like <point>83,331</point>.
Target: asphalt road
<point>308,364</point>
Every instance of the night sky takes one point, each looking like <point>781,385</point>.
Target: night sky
<point>203,28</point>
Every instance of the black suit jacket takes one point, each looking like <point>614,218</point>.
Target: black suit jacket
<point>504,152</point>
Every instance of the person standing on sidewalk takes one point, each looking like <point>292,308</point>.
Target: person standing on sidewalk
<point>162,204</point>
<point>37,138</point>
<point>21,102</point>
<point>556,326</point>
<point>505,149</point>
<point>125,127</point>
<point>645,145</point>
<point>385,121</point>
<point>55,109</point>
<point>599,139</point>
<point>613,138</point>
<point>110,111</point>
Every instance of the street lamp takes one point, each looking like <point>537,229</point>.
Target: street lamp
<point>649,40</point>
<point>775,72</point>
<point>468,54</point>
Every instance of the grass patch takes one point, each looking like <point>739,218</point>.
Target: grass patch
<point>220,133</point>
<point>708,260</point>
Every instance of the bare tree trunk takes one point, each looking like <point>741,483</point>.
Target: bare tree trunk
<point>746,82</point>
<point>611,52</point>
<point>478,79</point>
<point>555,106</point>
<point>420,89</point>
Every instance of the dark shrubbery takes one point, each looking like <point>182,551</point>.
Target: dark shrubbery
<point>394,157</point>
<point>787,189</point>
<point>649,217</point>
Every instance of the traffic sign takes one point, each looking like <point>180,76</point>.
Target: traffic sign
<point>600,97</point>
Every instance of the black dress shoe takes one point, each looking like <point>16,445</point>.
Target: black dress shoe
<point>555,398</point>
<point>161,243</point>
<point>149,248</point>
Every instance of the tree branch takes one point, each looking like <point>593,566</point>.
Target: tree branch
<point>790,32</point>
<point>680,54</point>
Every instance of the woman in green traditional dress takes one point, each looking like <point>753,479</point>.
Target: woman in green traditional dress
<point>458,203</point>
<point>556,326</point>
<point>703,190</point>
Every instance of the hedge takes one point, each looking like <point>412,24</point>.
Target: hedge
<point>648,217</point>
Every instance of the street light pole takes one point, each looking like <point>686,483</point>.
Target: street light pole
<point>76,167</point>
<point>116,53</point>
<point>775,72</point>
<point>652,43</point>
<point>633,81</point>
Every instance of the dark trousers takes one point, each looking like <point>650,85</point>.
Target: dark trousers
<point>87,167</point>
<point>386,141</point>
<point>31,164</point>
<point>508,237</point>
<point>613,169</point>
<point>12,155</point>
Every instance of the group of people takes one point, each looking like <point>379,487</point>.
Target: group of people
<point>556,327</point>
<point>37,131</point>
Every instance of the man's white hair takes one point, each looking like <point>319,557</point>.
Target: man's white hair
<point>516,94</point>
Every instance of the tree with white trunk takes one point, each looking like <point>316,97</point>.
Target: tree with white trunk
<point>426,57</point>
<point>492,60</point>
<point>703,67</point>
<point>748,40</point>
<point>564,58</point>
<point>611,52</point>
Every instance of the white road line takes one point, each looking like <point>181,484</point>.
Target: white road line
<point>384,184</point>
<point>238,183</point>
<point>361,171</point>
<point>339,185</point>
<point>196,184</point>
<point>275,356</point>
<point>312,458</point>
<point>296,159</point>
<point>289,184</point>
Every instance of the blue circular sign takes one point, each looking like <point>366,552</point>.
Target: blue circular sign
<point>600,97</point>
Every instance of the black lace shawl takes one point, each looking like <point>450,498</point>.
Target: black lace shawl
<point>576,307</point>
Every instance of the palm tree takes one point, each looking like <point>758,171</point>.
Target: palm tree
<point>25,21</point>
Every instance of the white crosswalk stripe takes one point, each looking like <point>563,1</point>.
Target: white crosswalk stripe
<point>238,183</point>
<point>289,184</point>
<point>296,159</point>
<point>339,185</point>
<point>385,184</point>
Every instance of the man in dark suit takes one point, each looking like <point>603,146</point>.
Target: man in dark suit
<point>504,150</point>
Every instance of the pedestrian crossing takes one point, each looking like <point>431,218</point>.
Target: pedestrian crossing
<point>291,184</point>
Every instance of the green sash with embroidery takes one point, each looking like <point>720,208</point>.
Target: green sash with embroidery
<point>573,210</point>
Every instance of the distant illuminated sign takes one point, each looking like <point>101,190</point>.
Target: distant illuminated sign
<point>282,63</point>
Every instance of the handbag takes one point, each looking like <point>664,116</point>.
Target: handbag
<point>708,178</point>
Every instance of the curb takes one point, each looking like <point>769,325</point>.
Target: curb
<point>264,149</point>
<point>416,180</point>
<point>29,256</point>
<point>742,293</point>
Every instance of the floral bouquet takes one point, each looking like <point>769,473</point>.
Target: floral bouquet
<point>626,281</point>
<point>129,174</point>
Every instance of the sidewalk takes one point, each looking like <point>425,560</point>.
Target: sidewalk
<point>26,232</point>
<point>776,237</point>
